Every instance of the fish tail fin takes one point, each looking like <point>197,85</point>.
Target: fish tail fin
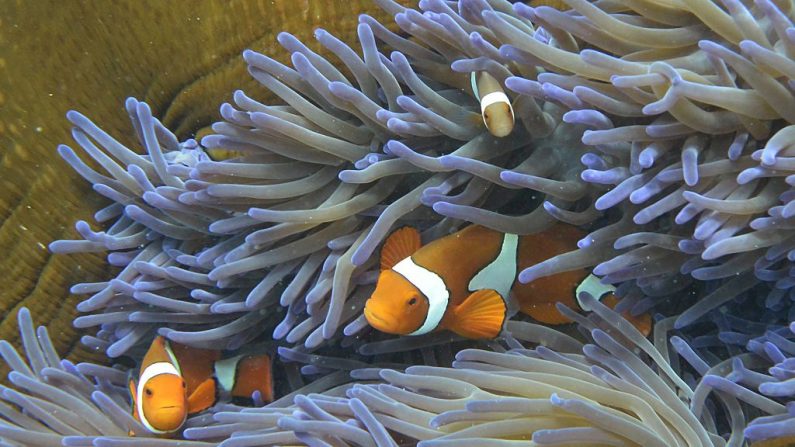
<point>254,373</point>
<point>480,315</point>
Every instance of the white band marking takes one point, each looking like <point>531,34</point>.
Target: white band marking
<point>493,98</point>
<point>172,356</point>
<point>225,372</point>
<point>432,286</point>
<point>593,285</point>
<point>473,80</point>
<point>155,369</point>
<point>500,273</point>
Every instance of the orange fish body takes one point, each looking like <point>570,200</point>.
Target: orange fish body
<point>176,381</point>
<point>557,4</point>
<point>461,282</point>
<point>495,106</point>
<point>787,441</point>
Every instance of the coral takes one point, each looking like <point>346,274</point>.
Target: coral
<point>125,51</point>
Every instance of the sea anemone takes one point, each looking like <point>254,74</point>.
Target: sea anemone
<point>210,248</point>
<point>677,114</point>
<point>778,348</point>
<point>616,389</point>
<point>648,124</point>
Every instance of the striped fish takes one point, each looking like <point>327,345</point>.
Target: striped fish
<point>175,381</point>
<point>462,282</point>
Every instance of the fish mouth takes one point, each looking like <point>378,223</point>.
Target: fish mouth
<point>376,321</point>
<point>373,316</point>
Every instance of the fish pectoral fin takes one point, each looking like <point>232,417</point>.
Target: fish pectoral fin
<point>480,315</point>
<point>203,397</point>
<point>401,244</point>
<point>132,387</point>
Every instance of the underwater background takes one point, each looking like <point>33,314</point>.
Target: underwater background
<point>661,130</point>
<point>90,57</point>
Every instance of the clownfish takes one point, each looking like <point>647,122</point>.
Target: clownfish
<point>557,4</point>
<point>787,441</point>
<point>217,153</point>
<point>495,107</point>
<point>176,381</point>
<point>461,282</point>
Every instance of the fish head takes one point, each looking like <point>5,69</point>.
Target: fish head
<point>164,402</point>
<point>498,117</point>
<point>396,306</point>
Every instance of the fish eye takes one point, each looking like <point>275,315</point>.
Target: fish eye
<point>148,391</point>
<point>413,301</point>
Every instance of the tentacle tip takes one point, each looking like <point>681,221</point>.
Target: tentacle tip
<point>681,323</point>
<point>359,257</point>
<point>510,176</point>
<point>527,276</point>
<point>284,36</point>
<point>73,115</point>
<point>248,53</point>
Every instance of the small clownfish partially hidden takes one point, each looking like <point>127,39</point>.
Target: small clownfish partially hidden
<point>786,441</point>
<point>495,107</point>
<point>217,153</point>
<point>557,4</point>
<point>177,380</point>
<point>461,282</point>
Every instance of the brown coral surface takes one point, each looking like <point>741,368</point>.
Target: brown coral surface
<point>183,58</point>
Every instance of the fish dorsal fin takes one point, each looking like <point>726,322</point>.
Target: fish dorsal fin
<point>159,351</point>
<point>203,397</point>
<point>480,315</point>
<point>195,364</point>
<point>401,244</point>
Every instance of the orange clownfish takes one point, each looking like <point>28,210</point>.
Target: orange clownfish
<point>495,107</point>
<point>461,282</point>
<point>557,4</point>
<point>177,380</point>
<point>787,441</point>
